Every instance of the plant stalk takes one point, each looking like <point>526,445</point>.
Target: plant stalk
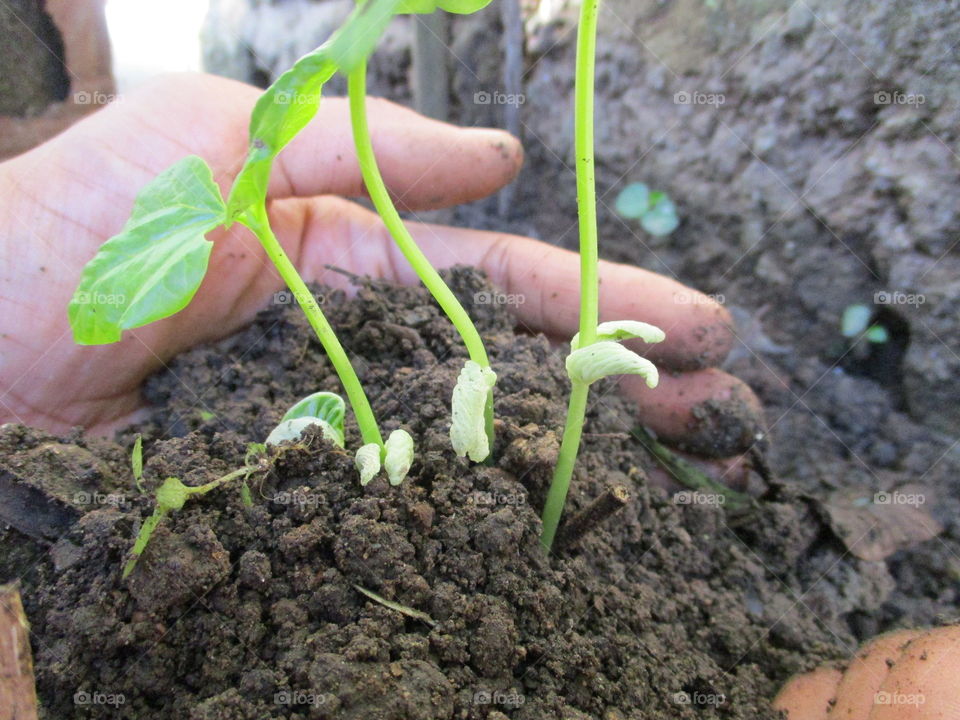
<point>256,219</point>
<point>589,259</point>
<point>563,472</point>
<point>377,189</point>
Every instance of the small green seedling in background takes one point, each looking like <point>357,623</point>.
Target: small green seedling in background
<point>655,210</point>
<point>855,323</point>
<point>596,351</point>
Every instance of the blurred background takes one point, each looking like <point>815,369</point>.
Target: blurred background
<point>808,150</point>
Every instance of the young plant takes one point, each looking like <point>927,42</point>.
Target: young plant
<point>595,350</point>
<point>471,431</point>
<point>153,268</point>
<point>326,410</point>
<point>171,496</point>
<point>655,210</point>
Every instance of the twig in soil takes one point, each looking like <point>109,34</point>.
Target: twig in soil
<point>402,609</point>
<point>688,475</point>
<point>613,499</point>
<point>18,694</point>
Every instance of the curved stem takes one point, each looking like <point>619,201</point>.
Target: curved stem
<point>589,258</point>
<point>372,178</point>
<point>256,219</point>
<point>214,484</point>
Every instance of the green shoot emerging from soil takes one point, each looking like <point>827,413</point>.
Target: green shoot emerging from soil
<point>474,419</point>
<point>595,350</point>
<point>172,495</point>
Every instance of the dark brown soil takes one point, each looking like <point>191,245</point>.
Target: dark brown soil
<point>667,611</point>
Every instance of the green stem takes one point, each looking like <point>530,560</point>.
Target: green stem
<point>372,178</point>
<point>569,447</point>
<point>586,180</point>
<point>214,484</point>
<point>257,220</point>
<point>589,259</point>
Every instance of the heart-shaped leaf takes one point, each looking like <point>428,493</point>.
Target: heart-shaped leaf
<point>325,409</point>
<point>153,268</point>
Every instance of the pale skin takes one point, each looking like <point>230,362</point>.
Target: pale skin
<point>63,199</point>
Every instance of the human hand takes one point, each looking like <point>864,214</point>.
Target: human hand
<point>65,198</point>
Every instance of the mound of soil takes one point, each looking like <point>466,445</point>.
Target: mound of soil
<point>240,611</point>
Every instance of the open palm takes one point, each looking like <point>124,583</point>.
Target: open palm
<point>64,199</point>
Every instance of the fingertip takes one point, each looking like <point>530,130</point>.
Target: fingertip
<point>707,412</point>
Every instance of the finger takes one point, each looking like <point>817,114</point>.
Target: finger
<point>425,163</point>
<point>543,277</point>
<point>705,412</point>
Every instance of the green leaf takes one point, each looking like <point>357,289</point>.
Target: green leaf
<point>468,433</point>
<point>662,217</point>
<point>327,406</point>
<point>633,201</point>
<point>153,268</point>
<point>624,330</point>
<point>877,334</point>
<point>399,456</point>
<point>284,109</point>
<point>357,38</point>
<point>602,359</point>
<point>855,320</point>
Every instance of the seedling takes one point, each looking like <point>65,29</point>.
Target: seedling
<point>655,210</point>
<point>171,496</point>
<point>855,323</point>
<point>595,350</point>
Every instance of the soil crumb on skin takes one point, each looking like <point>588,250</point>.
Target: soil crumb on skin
<point>252,613</point>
